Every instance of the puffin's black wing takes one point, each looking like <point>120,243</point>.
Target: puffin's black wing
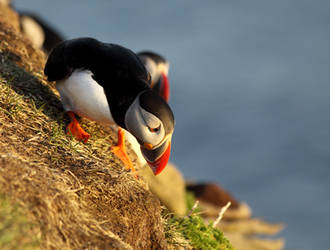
<point>117,69</point>
<point>70,55</point>
<point>106,61</point>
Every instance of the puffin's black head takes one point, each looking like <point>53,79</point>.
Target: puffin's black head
<point>158,68</point>
<point>151,121</point>
<point>157,58</point>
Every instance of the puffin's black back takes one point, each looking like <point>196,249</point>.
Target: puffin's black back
<point>117,69</point>
<point>101,58</point>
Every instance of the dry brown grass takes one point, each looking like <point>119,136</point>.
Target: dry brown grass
<point>79,195</point>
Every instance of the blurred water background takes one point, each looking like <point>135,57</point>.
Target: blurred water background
<point>250,91</point>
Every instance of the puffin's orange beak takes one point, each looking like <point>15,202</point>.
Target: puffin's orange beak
<point>165,92</point>
<point>157,158</point>
<point>158,165</point>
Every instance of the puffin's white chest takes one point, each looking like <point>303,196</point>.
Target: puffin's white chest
<point>81,94</point>
<point>136,148</point>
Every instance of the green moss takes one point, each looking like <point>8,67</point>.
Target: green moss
<point>190,200</point>
<point>200,235</point>
<point>16,231</point>
<point>193,229</point>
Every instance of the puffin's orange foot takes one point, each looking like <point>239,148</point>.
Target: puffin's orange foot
<point>120,152</point>
<point>77,132</point>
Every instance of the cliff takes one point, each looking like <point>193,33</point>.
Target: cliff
<point>57,193</point>
<point>72,195</point>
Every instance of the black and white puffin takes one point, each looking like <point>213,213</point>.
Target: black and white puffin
<point>39,31</point>
<point>158,68</point>
<point>109,84</point>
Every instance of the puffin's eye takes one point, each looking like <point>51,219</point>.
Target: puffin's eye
<point>149,78</point>
<point>154,130</point>
<point>152,83</point>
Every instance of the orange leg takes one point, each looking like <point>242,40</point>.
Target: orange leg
<point>120,150</point>
<point>74,129</point>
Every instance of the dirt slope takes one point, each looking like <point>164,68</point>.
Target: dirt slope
<point>79,196</point>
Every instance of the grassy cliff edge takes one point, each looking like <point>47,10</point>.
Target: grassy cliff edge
<point>57,193</point>
<point>79,195</point>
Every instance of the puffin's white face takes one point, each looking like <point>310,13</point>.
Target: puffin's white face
<point>146,127</point>
<point>151,67</point>
<point>151,121</point>
<point>155,70</point>
<point>163,67</point>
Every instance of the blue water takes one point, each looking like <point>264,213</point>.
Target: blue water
<point>250,91</point>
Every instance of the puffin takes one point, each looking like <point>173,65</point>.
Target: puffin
<point>42,35</point>
<point>109,84</point>
<point>158,68</point>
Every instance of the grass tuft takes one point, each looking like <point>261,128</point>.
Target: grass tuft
<point>197,233</point>
<point>193,230</point>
